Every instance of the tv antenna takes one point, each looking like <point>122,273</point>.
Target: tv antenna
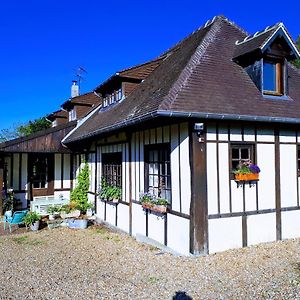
<point>80,71</point>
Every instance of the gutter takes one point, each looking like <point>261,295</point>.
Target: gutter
<point>179,114</point>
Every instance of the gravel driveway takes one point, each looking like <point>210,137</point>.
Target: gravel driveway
<point>100,264</point>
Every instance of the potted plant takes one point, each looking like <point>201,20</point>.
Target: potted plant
<point>147,200</point>
<point>89,210</point>
<point>110,193</point>
<point>70,211</point>
<point>53,210</point>
<point>247,171</point>
<point>32,219</point>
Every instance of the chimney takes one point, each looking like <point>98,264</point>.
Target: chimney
<point>74,89</point>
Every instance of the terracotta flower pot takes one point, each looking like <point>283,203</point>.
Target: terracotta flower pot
<point>160,208</point>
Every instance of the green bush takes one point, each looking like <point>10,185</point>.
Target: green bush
<point>80,193</point>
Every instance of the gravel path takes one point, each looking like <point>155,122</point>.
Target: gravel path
<point>100,264</point>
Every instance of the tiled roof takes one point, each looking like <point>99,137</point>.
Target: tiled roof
<point>198,77</point>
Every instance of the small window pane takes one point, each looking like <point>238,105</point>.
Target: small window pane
<point>269,76</point>
<point>245,153</point>
<point>235,153</point>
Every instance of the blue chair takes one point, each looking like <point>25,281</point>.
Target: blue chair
<point>16,219</point>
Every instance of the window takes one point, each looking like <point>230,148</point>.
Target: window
<point>72,114</point>
<point>273,78</point>
<point>113,97</point>
<point>158,171</point>
<point>241,153</point>
<point>40,172</point>
<point>112,168</point>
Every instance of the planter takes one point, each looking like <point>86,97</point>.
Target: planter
<point>146,205</point>
<point>51,217</point>
<point>162,209</point>
<point>73,214</point>
<point>35,226</point>
<point>78,224</point>
<point>114,201</point>
<point>247,177</point>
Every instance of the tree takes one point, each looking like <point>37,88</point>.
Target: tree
<point>297,61</point>
<point>24,130</point>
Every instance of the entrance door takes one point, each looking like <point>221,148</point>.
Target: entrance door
<point>41,174</point>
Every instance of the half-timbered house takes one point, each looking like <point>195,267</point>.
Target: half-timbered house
<point>218,98</point>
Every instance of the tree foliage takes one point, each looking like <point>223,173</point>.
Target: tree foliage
<point>24,130</point>
<point>297,61</point>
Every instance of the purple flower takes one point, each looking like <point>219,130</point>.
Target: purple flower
<point>254,169</point>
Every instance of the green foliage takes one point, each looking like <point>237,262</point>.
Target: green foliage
<point>296,62</point>
<point>109,192</point>
<point>52,209</point>
<point>80,194</point>
<point>31,218</point>
<point>152,199</point>
<point>23,130</point>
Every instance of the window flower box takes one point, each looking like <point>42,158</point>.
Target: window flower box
<point>153,203</point>
<point>246,172</point>
<point>247,177</point>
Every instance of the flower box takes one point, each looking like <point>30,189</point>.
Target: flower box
<point>113,201</point>
<point>162,209</point>
<point>247,177</point>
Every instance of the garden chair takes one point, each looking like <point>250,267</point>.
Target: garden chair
<point>16,219</point>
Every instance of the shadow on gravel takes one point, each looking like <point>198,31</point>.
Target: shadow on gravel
<point>181,296</point>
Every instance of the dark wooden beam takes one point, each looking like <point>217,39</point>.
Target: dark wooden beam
<point>198,209</point>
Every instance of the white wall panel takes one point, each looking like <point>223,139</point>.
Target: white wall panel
<point>141,164</point>
<point>266,184</point>
<point>67,170</point>
<point>265,135</point>
<point>250,197</point>
<point>223,133</point>
<point>179,234</point>
<point>290,224</point>
<point>123,217</point>
<point>224,177</point>
<point>111,214</point>
<point>288,175</point>
<point>24,172</point>
<point>287,136</point>
<point>175,169</point>
<point>224,234</point>
<point>236,197</point>
<point>156,228</point>
<point>138,220</point>
<point>236,134</point>
<point>212,187</point>
<point>185,170</point>
<point>211,134</point>
<point>57,171</point>
<point>100,209</point>
<point>249,134</point>
<point>261,228</point>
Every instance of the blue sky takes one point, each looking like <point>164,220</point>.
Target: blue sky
<point>43,42</point>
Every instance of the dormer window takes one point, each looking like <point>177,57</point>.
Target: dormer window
<point>273,79</point>
<point>113,97</point>
<point>72,115</point>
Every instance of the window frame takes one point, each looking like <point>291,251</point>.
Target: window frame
<point>158,147</point>
<point>250,146</point>
<point>118,178</point>
<point>280,77</point>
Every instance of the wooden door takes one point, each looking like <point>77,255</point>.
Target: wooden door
<point>41,174</point>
